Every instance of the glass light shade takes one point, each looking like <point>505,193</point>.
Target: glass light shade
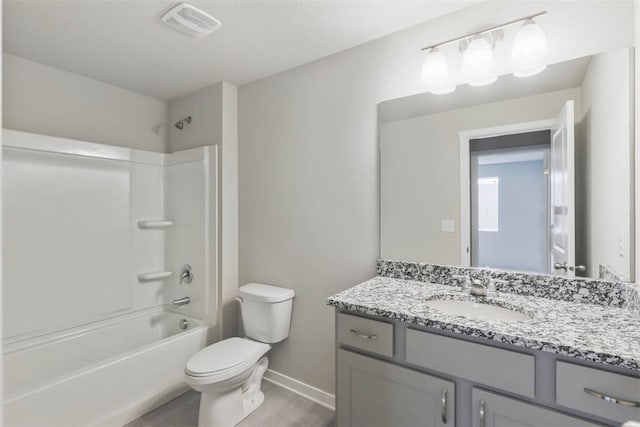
<point>529,50</point>
<point>526,72</point>
<point>443,90</point>
<point>478,62</point>
<point>435,73</point>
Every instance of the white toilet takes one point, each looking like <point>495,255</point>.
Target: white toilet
<point>229,372</point>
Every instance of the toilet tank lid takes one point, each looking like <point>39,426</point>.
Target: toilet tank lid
<point>265,293</point>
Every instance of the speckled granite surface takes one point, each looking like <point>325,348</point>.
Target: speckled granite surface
<point>572,289</point>
<point>608,272</point>
<point>598,333</point>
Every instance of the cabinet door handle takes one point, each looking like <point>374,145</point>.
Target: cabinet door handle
<point>444,405</point>
<point>363,336</point>
<point>482,413</point>
<point>611,399</point>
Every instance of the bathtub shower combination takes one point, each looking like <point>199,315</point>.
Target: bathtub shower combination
<point>101,313</point>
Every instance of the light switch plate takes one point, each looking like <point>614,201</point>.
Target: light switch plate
<point>447,225</point>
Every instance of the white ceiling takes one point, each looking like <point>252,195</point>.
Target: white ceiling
<point>124,42</point>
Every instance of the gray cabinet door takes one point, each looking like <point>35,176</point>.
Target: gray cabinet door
<point>493,410</point>
<point>375,393</point>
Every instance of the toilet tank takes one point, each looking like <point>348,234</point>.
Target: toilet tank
<point>266,311</point>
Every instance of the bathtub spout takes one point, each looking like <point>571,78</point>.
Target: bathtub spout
<point>181,301</point>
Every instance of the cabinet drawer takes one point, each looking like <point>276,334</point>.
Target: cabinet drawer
<point>579,387</point>
<point>504,369</point>
<point>366,334</point>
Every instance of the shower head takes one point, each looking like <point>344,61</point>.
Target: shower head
<point>180,123</point>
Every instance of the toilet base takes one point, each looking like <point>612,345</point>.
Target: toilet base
<point>229,408</point>
<point>226,410</point>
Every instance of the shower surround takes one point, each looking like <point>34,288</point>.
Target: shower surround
<point>95,237</point>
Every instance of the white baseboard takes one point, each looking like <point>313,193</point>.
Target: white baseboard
<point>310,392</point>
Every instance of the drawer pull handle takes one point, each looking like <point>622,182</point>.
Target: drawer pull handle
<point>444,405</point>
<point>611,399</point>
<point>363,336</point>
<point>482,414</point>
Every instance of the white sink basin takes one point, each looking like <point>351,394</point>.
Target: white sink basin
<point>477,310</point>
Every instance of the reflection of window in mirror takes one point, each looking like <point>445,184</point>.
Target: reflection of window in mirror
<point>488,203</point>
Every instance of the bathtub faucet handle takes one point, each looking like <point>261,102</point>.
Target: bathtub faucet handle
<point>186,274</point>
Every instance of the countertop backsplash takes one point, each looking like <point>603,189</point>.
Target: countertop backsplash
<point>572,289</point>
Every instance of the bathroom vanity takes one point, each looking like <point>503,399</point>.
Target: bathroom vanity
<point>570,357</point>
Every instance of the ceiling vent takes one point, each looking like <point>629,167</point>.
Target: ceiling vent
<point>191,21</point>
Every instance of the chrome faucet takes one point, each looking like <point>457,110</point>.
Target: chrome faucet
<point>181,301</point>
<point>464,280</point>
<point>478,289</point>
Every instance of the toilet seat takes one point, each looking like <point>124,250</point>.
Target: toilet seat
<point>225,359</point>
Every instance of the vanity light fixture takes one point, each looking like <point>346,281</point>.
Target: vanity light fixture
<point>435,73</point>
<point>529,49</point>
<point>478,62</point>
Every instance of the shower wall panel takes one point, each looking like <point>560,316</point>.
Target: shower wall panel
<point>147,183</point>
<point>72,246</point>
<point>190,193</point>
<point>75,252</point>
<point>68,245</point>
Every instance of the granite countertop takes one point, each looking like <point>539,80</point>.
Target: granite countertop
<point>601,334</point>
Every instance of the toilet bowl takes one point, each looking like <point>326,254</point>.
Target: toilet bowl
<point>229,373</point>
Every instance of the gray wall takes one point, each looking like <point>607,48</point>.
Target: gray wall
<point>46,100</point>
<point>604,163</point>
<point>521,240</point>
<point>205,108</point>
<point>309,198</point>
<point>1,221</point>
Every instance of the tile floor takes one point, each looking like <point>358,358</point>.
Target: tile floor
<point>281,408</point>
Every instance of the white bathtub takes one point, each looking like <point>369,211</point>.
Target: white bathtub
<point>105,374</point>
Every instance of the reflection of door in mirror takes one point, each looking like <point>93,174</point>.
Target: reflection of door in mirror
<point>520,219</point>
<point>509,200</point>
<point>563,220</point>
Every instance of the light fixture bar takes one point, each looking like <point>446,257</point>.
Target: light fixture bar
<point>497,27</point>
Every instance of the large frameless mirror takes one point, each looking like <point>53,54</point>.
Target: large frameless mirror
<point>530,174</point>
